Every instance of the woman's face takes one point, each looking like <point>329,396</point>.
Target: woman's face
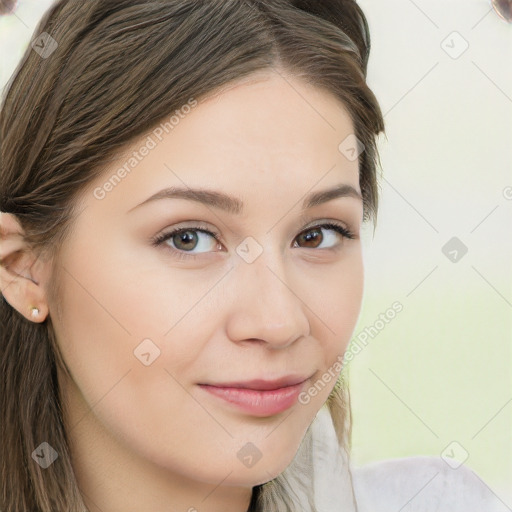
<point>154,335</point>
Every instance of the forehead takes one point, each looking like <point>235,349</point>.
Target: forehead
<point>272,104</point>
<point>272,132</point>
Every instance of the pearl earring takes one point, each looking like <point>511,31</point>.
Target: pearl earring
<point>35,312</point>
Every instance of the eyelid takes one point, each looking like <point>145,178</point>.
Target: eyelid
<point>345,232</point>
<point>194,226</point>
<point>311,222</point>
<point>308,221</point>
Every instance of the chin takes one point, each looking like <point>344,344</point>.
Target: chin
<point>256,472</point>
<point>252,477</point>
<point>268,468</point>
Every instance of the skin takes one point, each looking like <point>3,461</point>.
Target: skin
<point>147,437</point>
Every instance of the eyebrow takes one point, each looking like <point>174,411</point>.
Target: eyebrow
<point>235,206</point>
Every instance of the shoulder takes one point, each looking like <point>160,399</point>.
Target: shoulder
<point>421,484</point>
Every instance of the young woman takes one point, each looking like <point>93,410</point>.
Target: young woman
<point>183,185</point>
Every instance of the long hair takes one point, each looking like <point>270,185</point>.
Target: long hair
<point>116,69</point>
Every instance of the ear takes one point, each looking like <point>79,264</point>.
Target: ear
<point>18,265</point>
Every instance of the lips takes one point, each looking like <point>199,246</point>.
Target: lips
<point>258,397</point>
<point>263,385</point>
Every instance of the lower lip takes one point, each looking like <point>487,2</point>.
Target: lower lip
<point>258,403</point>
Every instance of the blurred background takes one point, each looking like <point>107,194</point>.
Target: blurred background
<point>437,378</point>
<point>431,371</point>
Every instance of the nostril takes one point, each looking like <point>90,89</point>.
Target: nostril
<point>503,8</point>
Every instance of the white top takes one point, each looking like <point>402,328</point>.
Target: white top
<point>422,484</point>
<point>409,484</point>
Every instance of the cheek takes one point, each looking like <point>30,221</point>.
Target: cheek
<point>117,318</point>
<point>107,316</point>
<point>338,303</point>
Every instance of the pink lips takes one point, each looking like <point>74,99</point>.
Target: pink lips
<point>259,397</point>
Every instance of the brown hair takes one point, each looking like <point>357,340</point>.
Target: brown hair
<point>118,67</point>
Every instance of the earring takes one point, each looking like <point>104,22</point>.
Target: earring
<point>35,312</point>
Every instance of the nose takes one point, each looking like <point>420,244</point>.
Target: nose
<point>265,306</point>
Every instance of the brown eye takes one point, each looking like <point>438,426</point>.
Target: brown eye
<point>314,237</point>
<point>311,238</point>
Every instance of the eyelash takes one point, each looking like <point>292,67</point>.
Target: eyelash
<point>161,239</point>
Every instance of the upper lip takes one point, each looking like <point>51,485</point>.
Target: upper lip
<point>262,384</point>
